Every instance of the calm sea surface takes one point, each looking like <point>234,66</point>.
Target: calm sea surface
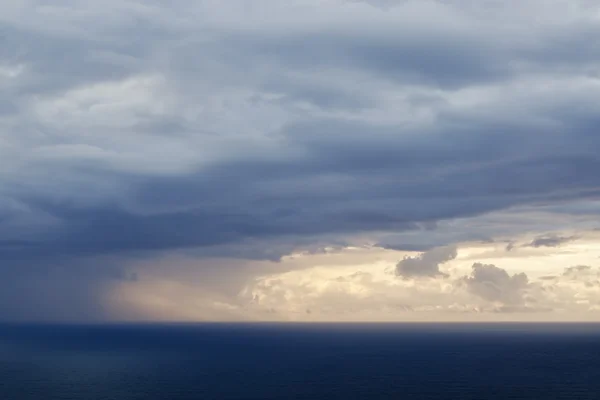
<point>300,362</point>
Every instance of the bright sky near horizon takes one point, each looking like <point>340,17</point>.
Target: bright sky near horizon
<point>299,160</point>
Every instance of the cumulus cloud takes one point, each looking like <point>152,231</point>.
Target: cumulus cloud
<point>496,285</point>
<point>487,293</point>
<point>368,292</point>
<point>427,263</point>
<point>582,273</point>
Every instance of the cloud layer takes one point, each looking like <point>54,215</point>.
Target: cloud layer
<point>251,129</point>
<point>461,293</point>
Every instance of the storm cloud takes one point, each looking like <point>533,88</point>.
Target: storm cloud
<point>252,129</point>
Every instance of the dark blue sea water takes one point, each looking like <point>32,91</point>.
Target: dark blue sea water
<point>300,362</point>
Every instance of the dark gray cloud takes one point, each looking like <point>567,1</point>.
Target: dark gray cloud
<point>128,129</point>
<point>426,264</point>
<point>65,289</point>
<point>550,241</point>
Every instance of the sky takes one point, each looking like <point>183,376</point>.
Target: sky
<point>299,160</point>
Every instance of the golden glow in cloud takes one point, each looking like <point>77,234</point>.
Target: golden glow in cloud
<point>484,282</point>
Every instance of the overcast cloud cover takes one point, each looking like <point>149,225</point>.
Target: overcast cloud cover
<point>247,130</point>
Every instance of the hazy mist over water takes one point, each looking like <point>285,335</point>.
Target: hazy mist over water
<point>291,361</point>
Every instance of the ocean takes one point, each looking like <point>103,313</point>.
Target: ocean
<point>294,361</point>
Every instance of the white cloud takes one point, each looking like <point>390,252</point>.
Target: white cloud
<point>360,285</point>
